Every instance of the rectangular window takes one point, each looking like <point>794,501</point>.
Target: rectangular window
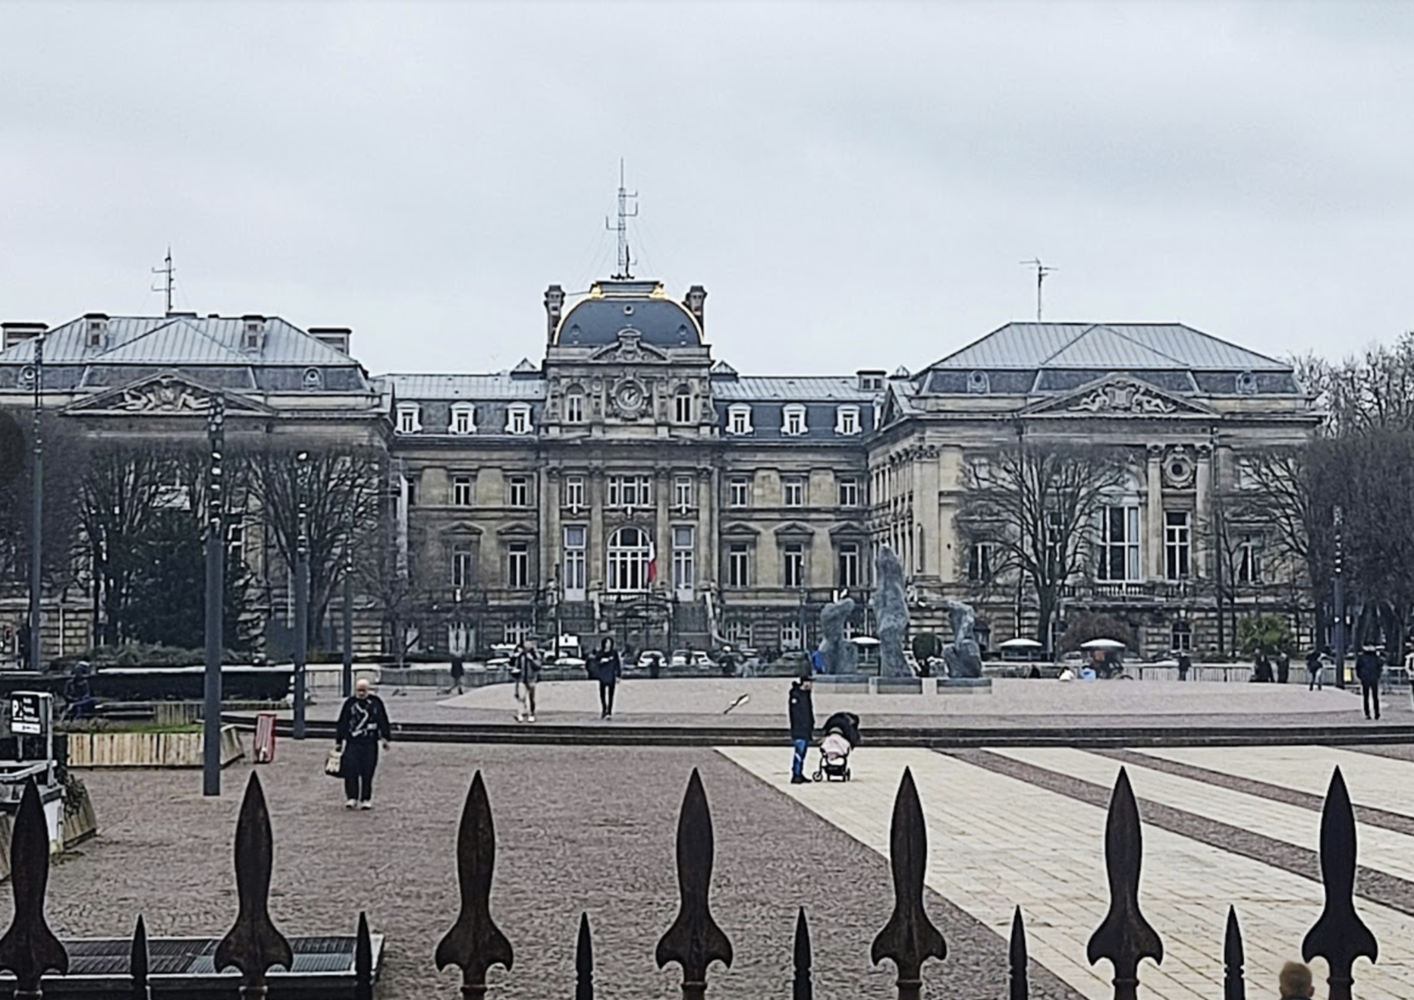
<point>461,565</point>
<point>516,632</point>
<point>738,564</point>
<point>575,537</point>
<point>981,557</point>
<point>682,408</point>
<point>739,419</point>
<point>463,490</point>
<point>847,420</point>
<point>463,419</point>
<point>518,491</point>
<point>1119,544</point>
<point>849,491</point>
<point>794,565</point>
<point>518,565</point>
<point>791,637</point>
<point>794,422</point>
<point>235,544</point>
<point>518,419</point>
<point>849,565</point>
<point>1178,543</point>
<point>1247,560</point>
<point>794,492</point>
<point>630,491</point>
<point>739,492</point>
<point>411,485</point>
<point>574,492</point>
<point>407,420</point>
<point>574,408</point>
<point>684,496</point>
<point>684,565</point>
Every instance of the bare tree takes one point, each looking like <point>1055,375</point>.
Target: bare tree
<point>342,489</point>
<point>1038,503</point>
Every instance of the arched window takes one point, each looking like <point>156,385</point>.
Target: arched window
<point>630,552</point>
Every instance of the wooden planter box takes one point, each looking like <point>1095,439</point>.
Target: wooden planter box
<point>148,749</point>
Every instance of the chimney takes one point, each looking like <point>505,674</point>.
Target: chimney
<point>337,337</point>
<point>696,302</point>
<point>18,333</point>
<point>554,305</point>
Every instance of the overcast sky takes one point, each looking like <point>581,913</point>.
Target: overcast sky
<point>855,184</point>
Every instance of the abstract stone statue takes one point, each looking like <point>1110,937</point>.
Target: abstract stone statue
<point>963,656</point>
<point>840,655</point>
<point>892,612</point>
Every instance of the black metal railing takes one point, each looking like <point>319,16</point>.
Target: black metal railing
<point>694,942</point>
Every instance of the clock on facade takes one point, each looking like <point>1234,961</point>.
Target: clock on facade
<point>629,395</point>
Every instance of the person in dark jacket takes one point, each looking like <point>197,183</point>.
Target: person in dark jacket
<point>1283,667</point>
<point>802,727</point>
<point>1315,671</point>
<point>1369,669</point>
<point>363,721</point>
<point>458,672</point>
<point>1184,665</point>
<point>526,665</point>
<point>608,667</point>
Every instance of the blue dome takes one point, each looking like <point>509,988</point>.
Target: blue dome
<point>637,307</point>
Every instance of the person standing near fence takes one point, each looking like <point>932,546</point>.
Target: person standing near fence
<point>458,672</point>
<point>802,726</point>
<point>1368,670</point>
<point>1184,665</point>
<point>608,668</point>
<point>363,721</point>
<point>1315,671</point>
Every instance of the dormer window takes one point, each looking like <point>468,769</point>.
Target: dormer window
<point>793,423</point>
<point>409,418</point>
<point>739,419</point>
<point>847,420</point>
<point>96,331</point>
<point>518,418</point>
<point>463,419</point>
<point>574,407</point>
<point>252,333</point>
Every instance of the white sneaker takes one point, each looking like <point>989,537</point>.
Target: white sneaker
<point>365,804</point>
<point>530,718</point>
<point>350,804</point>
<point>520,717</point>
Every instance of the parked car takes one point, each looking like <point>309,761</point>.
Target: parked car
<point>690,658</point>
<point>647,656</point>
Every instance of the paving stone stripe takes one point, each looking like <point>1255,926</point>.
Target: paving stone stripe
<point>995,841</point>
<point>1365,815</point>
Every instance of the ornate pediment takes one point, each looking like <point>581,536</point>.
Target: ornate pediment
<point>1119,396</point>
<point>166,393</point>
<point>629,350</point>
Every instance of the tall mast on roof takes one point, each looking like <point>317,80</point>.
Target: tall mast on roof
<point>170,274</point>
<point>1041,271</point>
<point>621,227</point>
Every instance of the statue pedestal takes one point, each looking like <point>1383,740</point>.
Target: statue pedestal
<point>964,685</point>
<point>843,683</point>
<point>897,685</point>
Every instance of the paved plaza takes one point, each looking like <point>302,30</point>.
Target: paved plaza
<point>1012,703</point>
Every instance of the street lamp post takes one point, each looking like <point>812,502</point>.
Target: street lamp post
<point>215,598</point>
<point>36,552</point>
<point>1339,595</point>
<point>301,592</point>
<point>347,686</point>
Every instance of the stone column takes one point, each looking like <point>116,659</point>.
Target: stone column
<point>1153,547</point>
<point>708,485</point>
<point>1204,542</point>
<point>552,537</point>
<point>664,482</point>
<point>594,555</point>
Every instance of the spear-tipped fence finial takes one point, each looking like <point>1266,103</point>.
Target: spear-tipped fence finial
<point>909,938</point>
<point>694,941</point>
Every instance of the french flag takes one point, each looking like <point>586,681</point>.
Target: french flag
<point>652,562</point>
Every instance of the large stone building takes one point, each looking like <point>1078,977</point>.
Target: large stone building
<point>632,483</point>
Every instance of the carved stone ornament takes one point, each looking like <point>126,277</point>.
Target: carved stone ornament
<point>166,395</point>
<point>1179,467</point>
<point>1123,397</point>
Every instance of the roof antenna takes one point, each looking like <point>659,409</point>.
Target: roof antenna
<point>625,264</point>
<point>1041,271</point>
<point>170,273</point>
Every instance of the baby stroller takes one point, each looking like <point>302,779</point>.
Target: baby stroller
<point>841,737</point>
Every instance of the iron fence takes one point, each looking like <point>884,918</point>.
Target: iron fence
<point>694,942</point>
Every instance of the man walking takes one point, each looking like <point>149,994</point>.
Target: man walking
<point>1369,669</point>
<point>802,726</point>
<point>527,664</point>
<point>363,721</point>
<point>1315,671</point>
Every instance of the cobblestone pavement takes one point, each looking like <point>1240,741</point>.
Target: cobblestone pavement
<point>1014,703</point>
<point>589,829</point>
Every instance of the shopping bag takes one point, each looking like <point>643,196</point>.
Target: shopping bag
<point>334,763</point>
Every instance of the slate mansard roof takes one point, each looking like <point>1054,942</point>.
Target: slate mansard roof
<point>641,307</point>
<point>1038,358</point>
<point>209,349</point>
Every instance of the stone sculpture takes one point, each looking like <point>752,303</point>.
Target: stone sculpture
<point>892,612</point>
<point>840,655</point>
<point>963,655</point>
